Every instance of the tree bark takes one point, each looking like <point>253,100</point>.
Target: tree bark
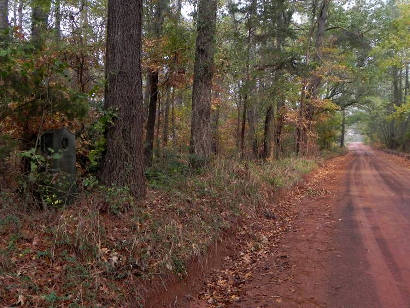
<point>238,122</point>
<point>152,113</point>
<point>267,137</point>
<point>159,111</point>
<point>247,108</point>
<point>201,135</point>
<point>146,95</point>
<point>215,114</point>
<point>20,14</point>
<point>406,82</point>
<point>311,87</point>
<point>57,10</point>
<point>123,163</point>
<point>243,128</point>
<point>173,133</point>
<point>342,137</point>
<point>252,137</point>
<point>396,86</point>
<point>153,76</point>
<point>278,129</point>
<point>165,132</point>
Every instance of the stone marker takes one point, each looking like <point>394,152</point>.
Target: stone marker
<point>61,142</point>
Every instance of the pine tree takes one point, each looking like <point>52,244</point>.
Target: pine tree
<point>201,134</point>
<point>123,162</point>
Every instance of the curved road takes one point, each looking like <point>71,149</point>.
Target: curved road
<point>374,239</point>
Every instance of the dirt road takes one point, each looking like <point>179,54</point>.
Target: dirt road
<point>373,263</point>
<point>350,246</point>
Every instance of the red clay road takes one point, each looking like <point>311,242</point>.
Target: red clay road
<point>373,267</point>
<point>349,248</point>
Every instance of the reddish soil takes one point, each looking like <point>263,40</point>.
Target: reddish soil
<point>347,246</point>
<point>256,241</point>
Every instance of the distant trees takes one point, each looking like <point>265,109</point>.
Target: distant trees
<point>123,163</point>
<point>258,80</point>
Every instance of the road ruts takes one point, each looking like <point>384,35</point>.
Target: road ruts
<point>371,265</point>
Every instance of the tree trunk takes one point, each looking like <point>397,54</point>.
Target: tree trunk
<point>165,132</point>
<point>406,82</point>
<point>157,136</point>
<point>248,110</point>
<point>57,10</point>
<point>4,19</point>
<point>215,114</point>
<point>146,95</point>
<point>267,136</point>
<point>84,17</point>
<point>201,135</point>
<point>153,82</point>
<point>15,13</point>
<point>123,163</point>
<point>238,123</point>
<point>342,137</point>
<point>243,128</point>
<point>20,14</point>
<point>278,129</point>
<point>173,133</point>
<point>152,113</point>
<point>396,86</point>
<point>311,88</point>
<point>39,20</point>
<point>252,137</point>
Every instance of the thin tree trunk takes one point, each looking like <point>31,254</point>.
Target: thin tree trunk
<point>248,110</point>
<point>401,88</point>
<point>153,81</point>
<point>396,86</point>
<point>173,133</point>
<point>15,13</point>
<point>215,129</point>
<point>201,135</point>
<point>278,130</point>
<point>20,14</point>
<point>152,112</point>
<point>243,128</point>
<point>165,132</point>
<point>252,138</point>
<point>406,82</point>
<point>267,137</point>
<point>215,114</point>
<point>157,135</point>
<point>123,162</point>
<point>147,95</point>
<point>57,9</point>
<point>342,137</point>
<point>310,88</point>
<point>238,123</point>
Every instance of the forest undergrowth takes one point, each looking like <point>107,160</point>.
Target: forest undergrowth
<point>102,249</point>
